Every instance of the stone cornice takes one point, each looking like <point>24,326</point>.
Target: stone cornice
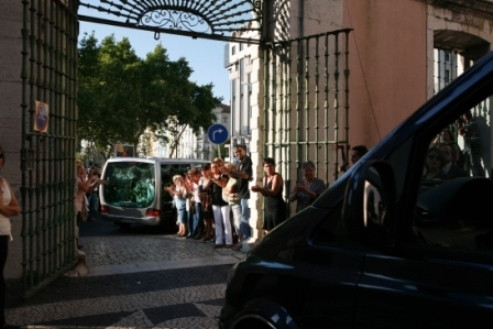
<point>482,8</point>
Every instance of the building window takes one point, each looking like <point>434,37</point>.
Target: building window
<point>447,66</point>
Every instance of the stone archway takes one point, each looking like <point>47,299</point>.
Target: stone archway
<point>49,107</point>
<point>301,80</point>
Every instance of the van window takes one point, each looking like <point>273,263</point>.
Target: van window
<point>129,184</point>
<point>168,170</point>
<point>454,209</point>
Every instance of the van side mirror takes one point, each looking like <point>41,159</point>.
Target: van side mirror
<point>369,204</point>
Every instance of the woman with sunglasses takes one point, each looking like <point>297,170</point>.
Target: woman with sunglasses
<point>9,207</point>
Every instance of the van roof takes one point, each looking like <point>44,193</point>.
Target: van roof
<point>156,159</point>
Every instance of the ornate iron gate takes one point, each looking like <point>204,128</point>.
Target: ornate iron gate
<point>306,104</point>
<point>49,86</point>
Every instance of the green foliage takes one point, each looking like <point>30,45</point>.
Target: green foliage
<point>120,95</point>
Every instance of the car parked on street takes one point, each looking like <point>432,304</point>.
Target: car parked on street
<point>393,243</point>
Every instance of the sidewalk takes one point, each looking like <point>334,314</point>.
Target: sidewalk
<point>135,281</point>
<point>116,255</point>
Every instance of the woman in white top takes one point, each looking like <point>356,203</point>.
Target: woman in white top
<point>179,193</point>
<point>9,207</point>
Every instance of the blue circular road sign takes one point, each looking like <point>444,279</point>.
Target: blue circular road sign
<point>217,133</point>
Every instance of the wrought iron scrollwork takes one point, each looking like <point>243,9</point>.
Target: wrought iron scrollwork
<point>173,19</point>
<point>203,18</point>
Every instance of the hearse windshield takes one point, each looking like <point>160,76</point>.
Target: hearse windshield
<point>129,184</point>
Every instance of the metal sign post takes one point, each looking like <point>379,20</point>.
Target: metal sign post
<point>218,134</point>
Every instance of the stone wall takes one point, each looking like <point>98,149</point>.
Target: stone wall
<point>11,116</point>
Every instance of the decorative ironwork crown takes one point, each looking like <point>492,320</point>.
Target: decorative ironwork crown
<point>213,19</point>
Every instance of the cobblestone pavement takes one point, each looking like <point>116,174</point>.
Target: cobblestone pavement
<point>135,282</point>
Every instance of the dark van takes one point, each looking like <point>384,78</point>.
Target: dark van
<point>134,190</point>
<point>403,240</point>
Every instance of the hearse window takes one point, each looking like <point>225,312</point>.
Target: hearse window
<point>130,185</point>
<point>167,172</point>
<point>454,208</point>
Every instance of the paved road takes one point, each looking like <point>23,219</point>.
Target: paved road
<point>137,280</point>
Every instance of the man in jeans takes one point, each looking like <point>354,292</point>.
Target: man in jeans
<point>243,173</point>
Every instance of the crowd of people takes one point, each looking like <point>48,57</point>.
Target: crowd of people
<point>213,202</point>
<point>207,197</point>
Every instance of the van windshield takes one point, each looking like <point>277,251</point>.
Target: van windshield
<point>129,184</point>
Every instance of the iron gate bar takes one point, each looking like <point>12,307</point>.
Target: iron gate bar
<point>326,103</point>
<point>182,17</point>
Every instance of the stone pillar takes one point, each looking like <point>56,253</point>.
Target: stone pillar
<point>11,116</point>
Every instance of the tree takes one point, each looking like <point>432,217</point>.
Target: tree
<point>88,94</point>
<point>109,97</point>
<point>196,117</point>
<point>121,95</point>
